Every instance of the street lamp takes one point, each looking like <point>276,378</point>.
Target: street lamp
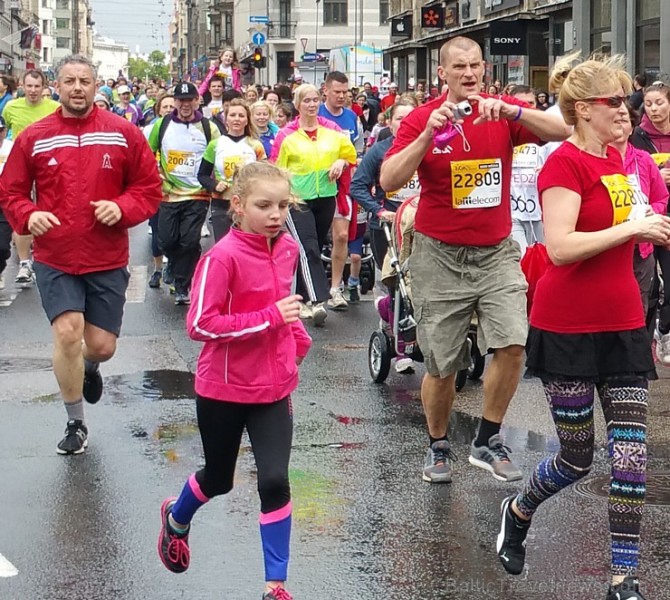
<point>316,39</point>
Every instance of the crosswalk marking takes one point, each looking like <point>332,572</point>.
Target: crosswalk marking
<point>7,569</point>
<point>137,286</point>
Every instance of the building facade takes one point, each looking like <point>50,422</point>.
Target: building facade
<point>292,34</point>
<point>521,39</point>
<point>73,28</point>
<point>20,37</point>
<point>110,57</point>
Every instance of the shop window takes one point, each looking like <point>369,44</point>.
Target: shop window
<point>383,11</point>
<point>601,14</point>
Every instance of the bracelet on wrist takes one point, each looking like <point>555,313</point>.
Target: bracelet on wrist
<point>518,115</point>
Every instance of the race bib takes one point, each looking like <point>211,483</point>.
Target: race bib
<point>628,201</point>
<point>411,188</point>
<point>181,164</point>
<point>660,158</point>
<point>526,156</point>
<point>229,165</point>
<point>476,183</point>
<point>524,197</point>
<point>361,216</point>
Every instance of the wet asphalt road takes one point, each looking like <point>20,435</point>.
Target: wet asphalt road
<point>365,525</point>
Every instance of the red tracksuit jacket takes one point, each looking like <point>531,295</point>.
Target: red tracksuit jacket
<point>74,162</point>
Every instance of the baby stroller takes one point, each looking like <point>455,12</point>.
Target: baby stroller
<point>385,343</point>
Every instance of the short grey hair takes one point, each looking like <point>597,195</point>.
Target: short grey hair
<point>76,59</point>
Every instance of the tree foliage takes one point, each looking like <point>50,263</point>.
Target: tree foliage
<point>154,68</point>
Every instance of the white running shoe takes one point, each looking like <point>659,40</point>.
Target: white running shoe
<point>663,348</point>
<point>319,314</point>
<point>305,311</point>
<point>25,273</point>
<point>204,232</point>
<point>404,365</point>
<point>337,300</point>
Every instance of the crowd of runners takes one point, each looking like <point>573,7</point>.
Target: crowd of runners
<point>280,175</point>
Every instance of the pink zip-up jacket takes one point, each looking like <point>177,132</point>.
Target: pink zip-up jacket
<point>236,83</point>
<point>640,163</point>
<point>249,354</point>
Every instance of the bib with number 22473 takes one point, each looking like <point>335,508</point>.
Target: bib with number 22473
<point>628,201</point>
<point>476,183</point>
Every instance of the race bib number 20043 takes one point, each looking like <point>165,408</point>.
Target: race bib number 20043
<point>476,183</point>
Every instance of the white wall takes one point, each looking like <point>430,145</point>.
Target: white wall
<point>109,58</point>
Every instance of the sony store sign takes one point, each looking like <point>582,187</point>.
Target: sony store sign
<point>491,6</point>
<point>508,38</point>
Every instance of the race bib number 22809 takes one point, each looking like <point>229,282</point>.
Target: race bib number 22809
<point>476,183</point>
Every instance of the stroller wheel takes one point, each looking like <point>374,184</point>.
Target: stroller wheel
<point>379,357</point>
<point>461,379</point>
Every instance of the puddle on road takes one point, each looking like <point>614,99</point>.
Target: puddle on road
<point>13,364</point>
<point>162,384</point>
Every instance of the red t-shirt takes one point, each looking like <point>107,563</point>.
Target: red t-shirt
<point>599,293</point>
<point>478,215</point>
<point>388,101</point>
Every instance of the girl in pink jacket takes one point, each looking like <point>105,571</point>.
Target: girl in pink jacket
<point>226,69</point>
<point>245,314</point>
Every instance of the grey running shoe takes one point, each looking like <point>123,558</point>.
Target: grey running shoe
<point>663,347</point>
<point>495,459</point>
<point>75,440</point>
<point>182,299</point>
<point>436,468</point>
<point>25,273</point>
<point>319,314</point>
<point>337,300</point>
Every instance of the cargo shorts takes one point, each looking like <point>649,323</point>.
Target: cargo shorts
<point>450,284</point>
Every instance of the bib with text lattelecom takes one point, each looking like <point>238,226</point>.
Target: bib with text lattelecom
<point>180,163</point>
<point>660,158</point>
<point>476,183</point>
<point>628,201</point>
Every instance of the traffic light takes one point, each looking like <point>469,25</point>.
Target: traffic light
<point>258,60</point>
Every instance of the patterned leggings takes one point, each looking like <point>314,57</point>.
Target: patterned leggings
<point>624,403</point>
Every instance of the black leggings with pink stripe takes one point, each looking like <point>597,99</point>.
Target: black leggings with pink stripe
<point>270,429</point>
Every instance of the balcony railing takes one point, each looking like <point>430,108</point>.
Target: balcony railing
<point>282,30</point>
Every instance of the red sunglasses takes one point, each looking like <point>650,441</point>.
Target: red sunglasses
<point>611,102</point>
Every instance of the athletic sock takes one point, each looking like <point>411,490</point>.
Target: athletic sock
<point>353,282</point>
<point>189,501</point>
<point>91,366</point>
<point>486,430</point>
<point>75,410</point>
<point>440,439</point>
<point>276,537</point>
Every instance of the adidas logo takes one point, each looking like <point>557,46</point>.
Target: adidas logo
<point>52,162</point>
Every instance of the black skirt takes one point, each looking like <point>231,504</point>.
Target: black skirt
<point>590,356</point>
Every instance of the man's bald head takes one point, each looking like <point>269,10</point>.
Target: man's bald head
<point>461,43</point>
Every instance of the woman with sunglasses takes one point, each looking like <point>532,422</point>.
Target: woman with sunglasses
<point>653,136</point>
<point>587,329</point>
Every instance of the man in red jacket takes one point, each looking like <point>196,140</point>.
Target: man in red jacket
<point>94,177</point>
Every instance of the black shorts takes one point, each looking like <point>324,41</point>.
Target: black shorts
<point>101,296</point>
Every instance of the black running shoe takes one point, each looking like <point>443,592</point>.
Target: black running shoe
<point>511,543</point>
<point>168,277</point>
<point>155,281</point>
<point>628,589</point>
<point>354,296</point>
<point>75,440</point>
<point>92,390</point>
<point>172,547</point>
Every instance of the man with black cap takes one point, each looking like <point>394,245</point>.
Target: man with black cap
<point>181,138</point>
<point>5,228</point>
